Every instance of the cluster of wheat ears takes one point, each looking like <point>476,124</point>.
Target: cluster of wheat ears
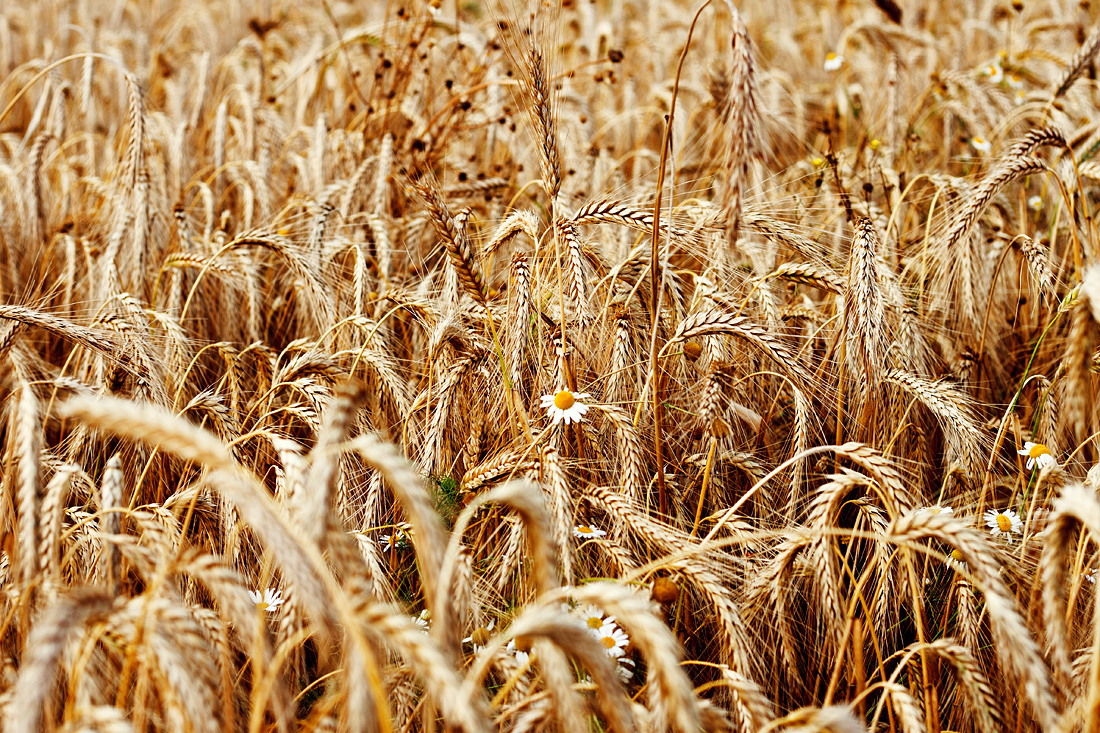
<point>615,365</point>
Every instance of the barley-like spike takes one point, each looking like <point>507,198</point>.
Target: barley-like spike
<point>743,125</point>
<point>578,283</point>
<point>614,211</point>
<point>27,445</point>
<point>976,203</point>
<point>807,274</point>
<point>110,522</point>
<point>542,115</point>
<point>1037,138</point>
<point>1078,64</point>
<point>454,239</point>
<point>718,322</point>
<point>864,311</point>
<point>1038,262</point>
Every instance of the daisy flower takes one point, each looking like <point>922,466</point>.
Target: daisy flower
<point>1092,575</point>
<point>956,562</point>
<point>1005,523</point>
<point>421,621</point>
<point>269,600</point>
<point>593,617</point>
<point>1037,453</point>
<point>937,509</point>
<point>981,144</point>
<point>522,657</point>
<point>612,639</point>
<point>480,636</point>
<point>833,61</point>
<point>995,72</point>
<point>398,540</point>
<point>565,405</point>
<point>584,532</point>
<point>1015,82</point>
<point>1035,203</point>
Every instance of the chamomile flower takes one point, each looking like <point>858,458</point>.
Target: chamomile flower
<point>269,600</point>
<point>956,562</point>
<point>1006,523</point>
<point>936,509</point>
<point>612,639</point>
<point>833,61</point>
<point>1035,203</point>
<point>584,532</point>
<point>995,72</point>
<point>480,636</point>
<point>1092,575</point>
<point>422,621</point>
<point>593,617</point>
<point>1037,453</point>
<point>981,144</point>
<point>398,540</point>
<point>522,657</point>
<point>565,405</point>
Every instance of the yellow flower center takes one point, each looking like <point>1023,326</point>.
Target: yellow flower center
<point>564,400</point>
<point>956,555</point>
<point>830,56</point>
<point>979,141</point>
<point>480,636</point>
<point>594,622</point>
<point>584,529</point>
<point>608,642</point>
<point>1004,522</point>
<point>1038,450</point>
<point>262,606</point>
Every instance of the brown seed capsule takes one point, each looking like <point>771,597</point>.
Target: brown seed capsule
<point>693,350</point>
<point>665,590</point>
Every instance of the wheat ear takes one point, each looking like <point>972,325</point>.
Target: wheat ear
<point>460,254</point>
<point>1078,63</point>
<point>27,443</point>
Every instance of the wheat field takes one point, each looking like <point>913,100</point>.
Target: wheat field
<point>573,366</point>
